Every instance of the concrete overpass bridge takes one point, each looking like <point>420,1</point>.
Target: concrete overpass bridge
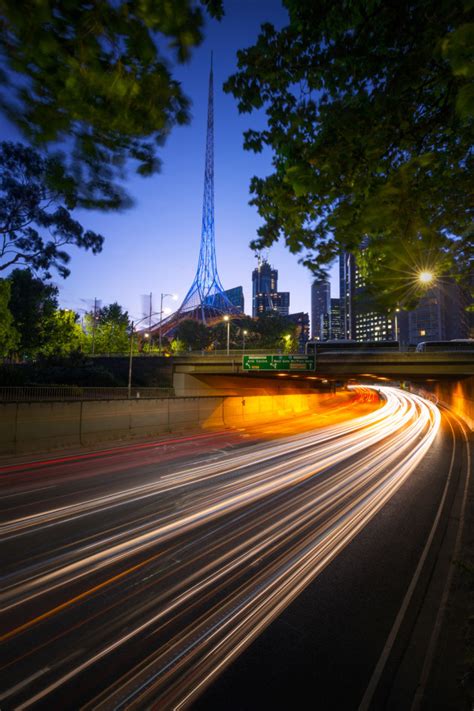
<point>448,375</point>
<point>335,366</point>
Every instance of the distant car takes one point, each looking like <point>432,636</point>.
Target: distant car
<point>456,344</point>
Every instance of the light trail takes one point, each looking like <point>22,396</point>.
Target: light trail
<point>182,572</point>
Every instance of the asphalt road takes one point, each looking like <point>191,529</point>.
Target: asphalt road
<point>151,575</point>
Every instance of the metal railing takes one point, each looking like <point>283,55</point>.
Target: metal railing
<point>44,393</point>
<point>203,352</point>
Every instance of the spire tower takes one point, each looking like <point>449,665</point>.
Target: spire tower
<point>205,300</point>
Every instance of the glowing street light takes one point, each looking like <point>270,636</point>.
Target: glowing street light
<point>244,333</point>
<point>227,320</point>
<point>397,310</point>
<point>425,277</point>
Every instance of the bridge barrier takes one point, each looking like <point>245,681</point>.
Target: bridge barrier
<point>43,426</point>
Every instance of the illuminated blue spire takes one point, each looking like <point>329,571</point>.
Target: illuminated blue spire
<point>206,299</point>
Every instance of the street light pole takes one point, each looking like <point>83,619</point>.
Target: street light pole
<point>227,320</point>
<point>396,323</point>
<point>130,362</point>
<point>244,333</point>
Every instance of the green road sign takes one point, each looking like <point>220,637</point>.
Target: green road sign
<point>278,362</point>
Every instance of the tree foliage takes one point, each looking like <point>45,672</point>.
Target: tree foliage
<point>35,224</point>
<point>41,329</point>
<point>8,334</point>
<point>267,331</point>
<point>95,77</point>
<point>111,331</point>
<point>193,334</point>
<point>65,335</point>
<point>275,331</point>
<point>33,305</point>
<point>369,116</point>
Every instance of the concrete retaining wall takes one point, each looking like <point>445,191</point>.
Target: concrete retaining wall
<point>35,427</point>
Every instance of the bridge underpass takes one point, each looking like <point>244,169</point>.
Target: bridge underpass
<point>449,376</point>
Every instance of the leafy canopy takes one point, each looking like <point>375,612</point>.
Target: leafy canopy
<point>95,77</point>
<point>109,332</point>
<point>35,224</point>
<point>193,334</point>
<point>369,111</point>
<point>8,334</point>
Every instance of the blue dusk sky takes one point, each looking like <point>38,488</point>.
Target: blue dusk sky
<point>154,246</point>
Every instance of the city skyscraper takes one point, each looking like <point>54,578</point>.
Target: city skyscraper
<point>320,306</point>
<point>440,316</point>
<point>265,294</point>
<point>360,318</point>
<point>331,323</point>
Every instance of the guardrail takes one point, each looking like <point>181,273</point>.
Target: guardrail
<point>44,393</point>
<point>203,352</point>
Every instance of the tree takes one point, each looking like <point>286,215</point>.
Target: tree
<point>276,332</point>
<point>65,336</point>
<point>33,305</point>
<point>369,116</point>
<point>94,76</point>
<point>111,331</point>
<point>35,224</point>
<point>193,334</point>
<point>8,334</point>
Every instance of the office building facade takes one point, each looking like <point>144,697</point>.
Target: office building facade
<point>360,319</point>
<point>320,306</point>
<point>332,329</point>
<point>265,294</point>
<point>440,316</point>
<point>236,297</point>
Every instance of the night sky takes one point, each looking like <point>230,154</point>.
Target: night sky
<point>154,247</point>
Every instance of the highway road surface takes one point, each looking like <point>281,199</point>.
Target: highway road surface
<point>136,577</point>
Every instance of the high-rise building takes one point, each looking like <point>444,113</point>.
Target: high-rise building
<point>265,294</point>
<point>331,323</point>
<point>236,297</point>
<point>320,306</point>
<point>441,314</point>
<point>346,294</point>
<point>360,318</point>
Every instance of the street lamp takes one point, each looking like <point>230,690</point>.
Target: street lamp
<point>396,323</point>
<point>227,320</point>
<point>130,359</point>
<point>244,333</point>
<point>163,296</point>
<point>425,276</point>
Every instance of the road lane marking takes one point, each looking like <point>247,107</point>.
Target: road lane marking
<point>444,598</point>
<point>365,704</point>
